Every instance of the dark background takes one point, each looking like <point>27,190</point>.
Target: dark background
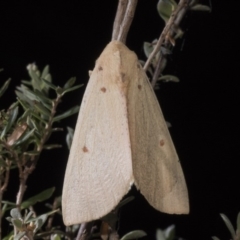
<point>202,108</point>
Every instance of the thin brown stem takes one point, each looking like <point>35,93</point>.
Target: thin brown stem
<point>25,171</point>
<point>174,20</point>
<point>157,70</point>
<point>51,217</point>
<point>122,5</point>
<point>127,20</point>
<point>84,231</point>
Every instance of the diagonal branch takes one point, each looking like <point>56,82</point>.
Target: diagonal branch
<point>167,32</point>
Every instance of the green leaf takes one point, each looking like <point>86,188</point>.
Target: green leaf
<point>45,71</point>
<point>71,89</point>
<point>4,87</point>
<point>238,224</point>
<point>17,223</point>
<point>24,137</point>
<point>200,7</point>
<point>69,83</point>
<point>165,8</point>
<point>49,84</point>
<point>24,101</point>
<point>43,98</point>
<point>42,109</point>
<point>29,216</point>
<point>11,120</point>
<point>9,203</point>
<point>160,235</point>
<point>9,236</point>
<point>36,82</point>
<point>147,48</point>
<point>52,146</point>
<point>69,137</point>
<point>42,219</point>
<point>134,235</point>
<point>19,235</point>
<point>169,232</point>
<point>169,78</point>
<point>59,90</point>
<point>15,213</point>
<point>228,224</point>
<point>38,198</point>
<point>31,153</point>
<point>66,114</point>
<point>55,237</point>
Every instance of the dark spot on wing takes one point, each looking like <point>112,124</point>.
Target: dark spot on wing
<point>162,142</point>
<point>85,149</point>
<point>103,89</point>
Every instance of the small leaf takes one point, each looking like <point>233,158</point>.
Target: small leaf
<point>29,215</point>
<point>71,89</point>
<point>148,48</point>
<point>68,113</point>
<point>45,71</point>
<point>36,82</point>
<point>19,235</point>
<point>11,120</point>
<point>200,7</point>
<point>52,146</point>
<point>43,98</point>
<point>69,83</point>
<point>15,213</point>
<point>238,224</point>
<point>31,153</point>
<point>55,237</point>
<point>50,84</point>
<point>228,224</point>
<point>9,236</point>
<point>17,223</point>
<point>9,203</point>
<point>169,232</point>
<point>38,198</point>
<point>42,109</point>
<point>134,235</point>
<point>42,219</point>
<point>24,137</point>
<point>165,8</point>
<point>4,87</point>
<point>160,235</point>
<point>9,219</point>
<point>69,137</point>
<point>169,78</point>
<point>59,90</point>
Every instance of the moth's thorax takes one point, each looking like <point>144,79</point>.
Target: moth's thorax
<point>118,64</point>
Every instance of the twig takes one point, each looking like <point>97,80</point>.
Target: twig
<point>84,231</point>
<point>158,69</point>
<point>122,5</point>
<point>174,20</point>
<point>50,219</point>
<point>127,20</point>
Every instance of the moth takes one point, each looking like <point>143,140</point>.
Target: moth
<point>120,139</point>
